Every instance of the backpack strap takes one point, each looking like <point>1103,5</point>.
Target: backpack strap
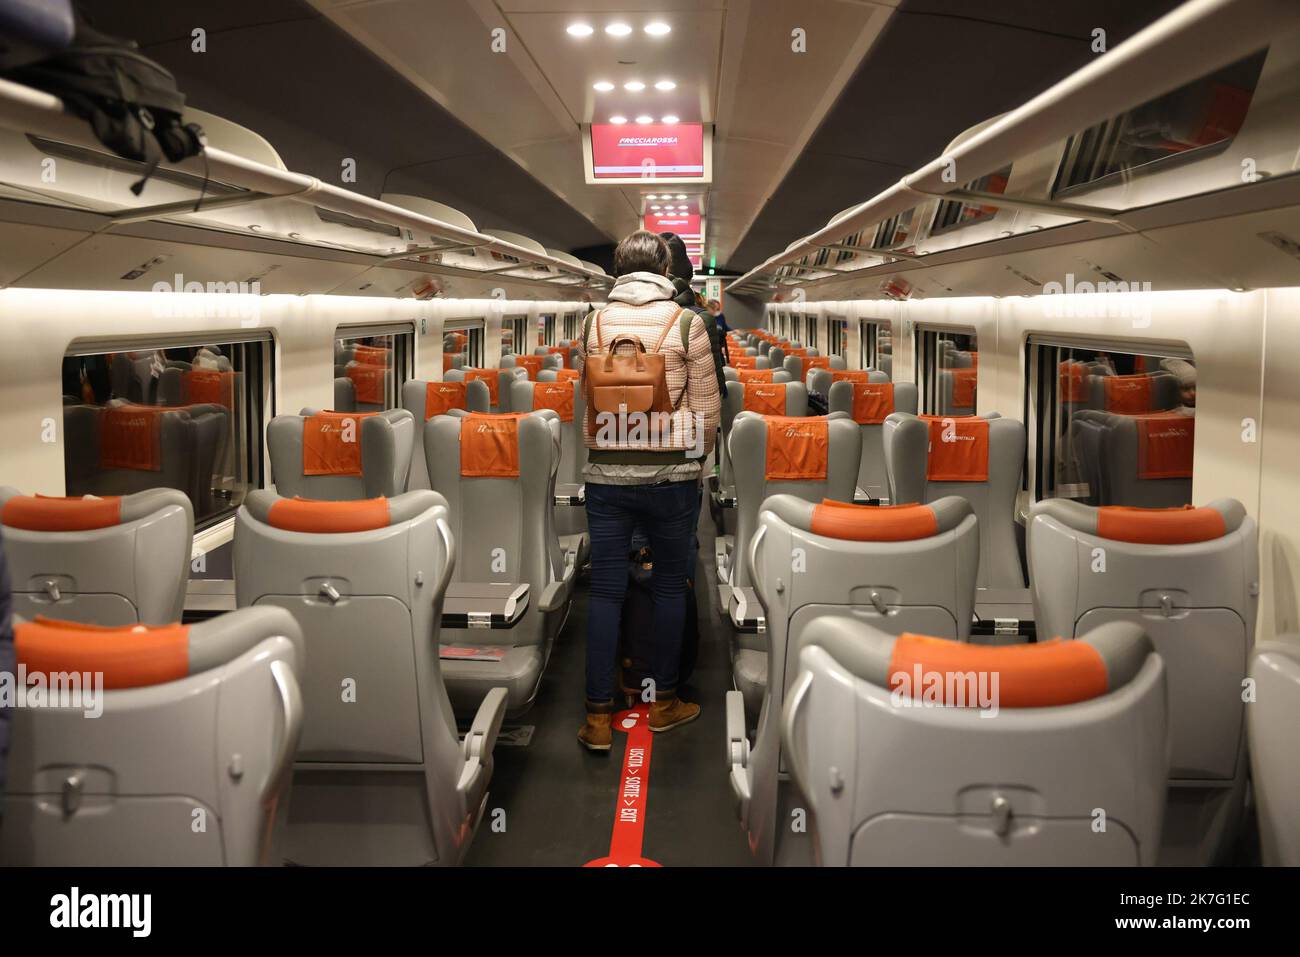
<point>586,330</point>
<point>684,320</point>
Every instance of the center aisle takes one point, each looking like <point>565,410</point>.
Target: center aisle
<point>558,798</point>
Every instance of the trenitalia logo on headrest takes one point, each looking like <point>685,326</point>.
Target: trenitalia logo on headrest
<point>647,141</point>
<point>489,427</point>
<point>796,433</point>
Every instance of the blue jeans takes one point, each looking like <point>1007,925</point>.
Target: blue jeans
<point>667,512</point>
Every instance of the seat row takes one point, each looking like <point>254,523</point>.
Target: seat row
<point>458,594</point>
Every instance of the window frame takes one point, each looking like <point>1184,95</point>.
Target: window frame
<point>925,362</point>
<point>404,346</point>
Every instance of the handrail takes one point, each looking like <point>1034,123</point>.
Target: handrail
<point>1184,45</point>
<point>27,110</point>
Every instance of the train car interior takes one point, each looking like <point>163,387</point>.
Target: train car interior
<point>996,547</point>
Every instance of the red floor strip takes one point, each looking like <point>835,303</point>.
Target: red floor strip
<point>633,794</point>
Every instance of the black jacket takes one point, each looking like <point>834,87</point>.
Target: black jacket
<point>717,341</point>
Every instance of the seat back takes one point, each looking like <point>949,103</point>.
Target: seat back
<point>534,364</point>
<point>957,387</point>
<point>365,581</point>
<point>921,777</point>
<point>424,400</point>
<point>564,398</point>
<point>500,485</point>
<point>977,457</point>
<point>1190,578</point>
<point>869,398</point>
<point>1146,460</point>
<point>497,381</point>
<point>1273,717</point>
<point>798,366</point>
<point>768,392</point>
<point>812,458</point>
<point>187,758</point>
<point>341,456</point>
<point>105,561</point>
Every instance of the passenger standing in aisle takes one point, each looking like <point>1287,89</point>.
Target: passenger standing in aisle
<point>658,488</point>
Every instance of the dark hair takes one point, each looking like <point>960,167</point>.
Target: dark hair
<point>681,263</point>
<point>641,251</point>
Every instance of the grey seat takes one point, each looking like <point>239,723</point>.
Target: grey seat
<point>369,384</point>
<point>341,456</point>
<point>1190,578</point>
<point>497,380</point>
<point>424,400</point>
<point>732,374</point>
<point>900,569</point>
<point>752,362</point>
<point>380,776</point>
<point>501,492</point>
<point>869,402</point>
<point>532,365</point>
<point>566,400</point>
<point>829,470</point>
<point>186,764</point>
<point>104,561</point>
<point>1273,717</point>
<point>979,458</point>
<point>798,367</point>
<point>1078,730</point>
<point>1146,460</point>
<point>771,398</point>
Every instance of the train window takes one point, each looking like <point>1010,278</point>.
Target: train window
<point>462,343</point>
<point>947,364</point>
<point>1201,116</point>
<point>953,215</point>
<point>514,333</point>
<point>868,344</point>
<point>796,328</point>
<point>570,326</point>
<point>370,366</point>
<point>812,332</point>
<point>835,335</point>
<point>546,332</point>
<point>1113,425</point>
<point>184,415</point>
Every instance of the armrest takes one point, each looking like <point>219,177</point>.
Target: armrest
<point>738,754</point>
<point>568,493</point>
<point>553,596</point>
<point>746,611</point>
<point>478,746</point>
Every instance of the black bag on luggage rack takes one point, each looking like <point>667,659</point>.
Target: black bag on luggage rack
<point>131,102</point>
<point>636,631</point>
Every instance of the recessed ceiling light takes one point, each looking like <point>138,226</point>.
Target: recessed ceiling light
<point>618,29</point>
<point>656,208</point>
<point>652,196</point>
<point>665,85</point>
<point>579,30</point>
<point>602,86</point>
<point>658,28</point>
<point>670,118</point>
<point>644,118</point>
<point>634,86</point>
<point>681,195</point>
<point>618,119</point>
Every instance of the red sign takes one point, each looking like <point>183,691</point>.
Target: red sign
<point>625,848</point>
<point>685,225</point>
<point>649,150</point>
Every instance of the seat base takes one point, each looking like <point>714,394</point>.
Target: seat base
<point>519,672</point>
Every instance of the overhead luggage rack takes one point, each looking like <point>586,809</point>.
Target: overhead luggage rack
<point>1185,45</point>
<point>225,191</point>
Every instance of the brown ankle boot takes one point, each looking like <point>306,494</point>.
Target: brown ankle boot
<point>669,711</point>
<point>596,734</point>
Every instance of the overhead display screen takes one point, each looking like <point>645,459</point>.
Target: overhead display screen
<point>659,152</point>
<point>685,225</point>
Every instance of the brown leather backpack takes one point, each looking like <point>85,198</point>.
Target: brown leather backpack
<point>628,383</point>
